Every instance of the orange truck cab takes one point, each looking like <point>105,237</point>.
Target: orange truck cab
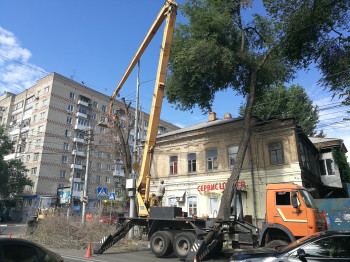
<point>290,214</point>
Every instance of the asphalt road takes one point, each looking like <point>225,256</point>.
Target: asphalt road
<point>133,256</point>
<point>10,228</point>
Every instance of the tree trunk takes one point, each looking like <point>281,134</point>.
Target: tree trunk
<point>248,124</point>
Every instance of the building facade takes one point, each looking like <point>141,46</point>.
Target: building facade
<point>48,123</point>
<point>195,163</point>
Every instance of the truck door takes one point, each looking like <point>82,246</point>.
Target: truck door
<point>293,218</point>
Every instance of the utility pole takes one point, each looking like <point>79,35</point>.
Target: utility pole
<point>89,139</point>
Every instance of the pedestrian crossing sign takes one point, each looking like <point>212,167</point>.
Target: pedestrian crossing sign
<point>101,191</point>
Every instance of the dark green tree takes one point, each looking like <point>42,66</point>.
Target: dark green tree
<point>12,173</point>
<point>280,101</point>
<point>343,165</point>
<point>217,49</point>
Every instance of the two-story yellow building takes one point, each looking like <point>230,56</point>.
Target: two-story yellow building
<point>195,163</point>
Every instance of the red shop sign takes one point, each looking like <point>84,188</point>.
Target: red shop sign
<point>218,186</point>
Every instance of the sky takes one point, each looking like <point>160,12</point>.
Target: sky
<point>94,41</point>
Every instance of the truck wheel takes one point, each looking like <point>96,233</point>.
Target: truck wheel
<point>183,243</point>
<point>277,244</point>
<point>161,243</point>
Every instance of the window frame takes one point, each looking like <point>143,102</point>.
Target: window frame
<point>275,153</point>
<point>213,160</point>
<point>173,165</point>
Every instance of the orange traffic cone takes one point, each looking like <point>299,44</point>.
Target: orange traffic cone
<point>88,252</point>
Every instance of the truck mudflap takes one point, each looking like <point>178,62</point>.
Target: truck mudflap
<point>109,240</point>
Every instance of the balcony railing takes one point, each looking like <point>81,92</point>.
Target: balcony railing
<point>75,166</point>
<point>79,140</point>
<point>81,102</point>
<point>80,114</point>
<point>80,127</point>
<point>78,153</point>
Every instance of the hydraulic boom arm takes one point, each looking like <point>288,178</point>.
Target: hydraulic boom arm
<point>169,12</point>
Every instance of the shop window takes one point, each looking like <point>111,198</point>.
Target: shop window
<point>191,160</point>
<point>282,198</point>
<point>212,159</point>
<point>213,206</point>
<point>173,165</point>
<point>232,154</point>
<point>276,153</point>
<point>192,206</point>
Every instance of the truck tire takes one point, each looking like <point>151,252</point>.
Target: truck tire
<point>183,243</point>
<point>161,243</point>
<point>277,244</point>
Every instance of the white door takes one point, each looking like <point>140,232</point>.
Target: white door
<point>213,207</point>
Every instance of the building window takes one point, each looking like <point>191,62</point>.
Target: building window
<point>98,178</point>
<point>40,129</point>
<point>173,165</point>
<point>212,159</point>
<point>103,119</point>
<point>276,153</point>
<point>94,105</point>
<point>69,120</point>
<point>191,160</point>
<point>327,167</point>
<point>68,132</point>
<point>146,123</point>
<point>99,166</point>
<point>46,90</point>
<point>172,202</point>
<point>192,206</point>
<point>28,158</point>
<point>232,154</point>
<point>64,159</point>
<point>93,116</point>
<point>102,130</point>
<point>99,153</point>
<point>33,170</point>
<point>63,173</point>
<point>66,146</point>
<point>70,108</point>
<point>108,167</point>
<point>108,179</point>
<point>44,103</point>
<point>36,156</point>
<point>104,108</point>
<point>34,119</point>
<point>42,115</point>
<point>131,138</point>
<point>37,142</point>
<point>72,95</point>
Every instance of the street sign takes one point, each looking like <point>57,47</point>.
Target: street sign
<point>101,191</point>
<point>135,166</point>
<point>111,196</point>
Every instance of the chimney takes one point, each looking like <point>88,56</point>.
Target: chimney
<point>212,116</point>
<point>227,116</point>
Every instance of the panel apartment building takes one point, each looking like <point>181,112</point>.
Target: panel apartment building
<point>47,124</point>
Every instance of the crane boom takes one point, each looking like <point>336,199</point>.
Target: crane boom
<point>167,12</point>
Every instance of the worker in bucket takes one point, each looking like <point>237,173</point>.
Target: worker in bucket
<point>160,193</point>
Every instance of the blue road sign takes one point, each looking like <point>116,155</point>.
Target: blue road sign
<point>101,191</point>
<point>111,196</point>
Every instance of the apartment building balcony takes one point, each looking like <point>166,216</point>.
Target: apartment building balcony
<point>9,157</point>
<point>78,153</point>
<point>83,103</point>
<point>80,127</point>
<point>80,114</point>
<point>76,194</point>
<point>78,140</point>
<point>75,166</point>
<point>119,173</point>
<point>14,131</point>
<point>77,180</point>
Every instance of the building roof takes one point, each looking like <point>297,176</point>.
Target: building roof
<point>201,126</point>
<point>325,142</point>
<point>316,140</point>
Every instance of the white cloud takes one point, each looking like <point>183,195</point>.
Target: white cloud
<point>16,73</point>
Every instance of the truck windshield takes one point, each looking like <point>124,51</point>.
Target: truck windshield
<point>308,199</point>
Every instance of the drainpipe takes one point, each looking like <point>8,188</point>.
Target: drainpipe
<point>253,183</point>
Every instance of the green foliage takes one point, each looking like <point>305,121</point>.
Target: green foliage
<point>216,49</point>
<point>280,101</point>
<point>12,173</point>
<point>208,55</point>
<point>341,161</point>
